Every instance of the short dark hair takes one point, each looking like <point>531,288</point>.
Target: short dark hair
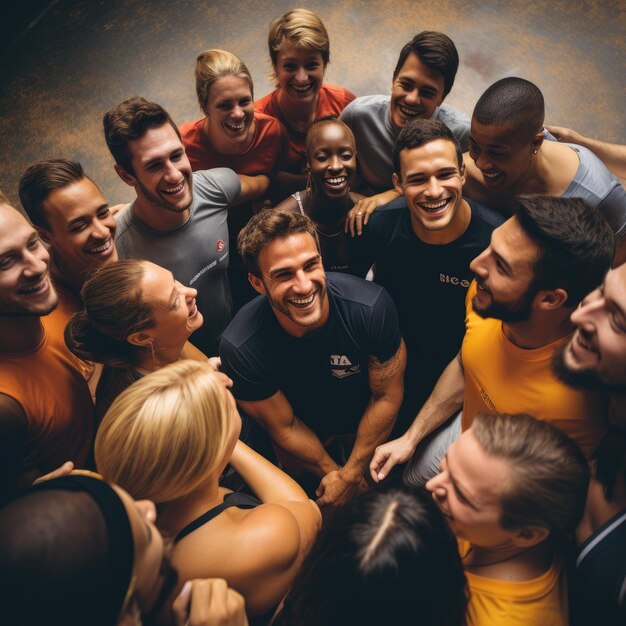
<point>324,121</point>
<point>40,180</point>
<point>266,226</point>
<point>512,101</point>
<point>130,120</point>
<point>575,241</point>
<point>385,555</point>
<point>420,132</point>
<point>437,52</point>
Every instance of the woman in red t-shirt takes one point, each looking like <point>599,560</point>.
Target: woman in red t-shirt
<point>232,134</point>
<point>300,51</point>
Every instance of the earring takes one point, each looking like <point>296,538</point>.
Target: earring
<point>308,181</point>
<point>535,150</point>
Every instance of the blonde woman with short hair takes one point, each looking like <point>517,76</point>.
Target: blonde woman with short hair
<point>168,438</point>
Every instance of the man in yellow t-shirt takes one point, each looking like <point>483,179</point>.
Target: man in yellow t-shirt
<point>536,269</point>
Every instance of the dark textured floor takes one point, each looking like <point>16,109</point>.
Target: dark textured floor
<point>84,56</point>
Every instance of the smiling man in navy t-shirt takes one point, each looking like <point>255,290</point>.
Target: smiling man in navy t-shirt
<point>317,358</point>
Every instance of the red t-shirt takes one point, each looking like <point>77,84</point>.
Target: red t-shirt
<point>332,100</point>
<point>261,157</point>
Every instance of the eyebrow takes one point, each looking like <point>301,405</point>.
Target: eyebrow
<point>173,295</point>
<point>613,303</point>
<point>460,492</point>
<point>443,170</point>
<point>80,218</point>
<point>278,270</point>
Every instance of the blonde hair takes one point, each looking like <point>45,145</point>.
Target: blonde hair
<point>214,64</point>
<point>165,434</point>
<point>549,476</point>
<point>303,29</point>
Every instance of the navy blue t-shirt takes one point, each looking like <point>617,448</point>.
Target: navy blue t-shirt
<point>428,284</point>
<point>324,374</point>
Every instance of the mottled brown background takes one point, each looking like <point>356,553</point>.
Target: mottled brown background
<point>84,56</point>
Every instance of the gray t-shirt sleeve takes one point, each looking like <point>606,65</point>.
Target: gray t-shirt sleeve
<point>219,186</point>
<point>457,122</point>
<point>613,207</point>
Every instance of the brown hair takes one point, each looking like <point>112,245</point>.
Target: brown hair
<point>214,64</point>
<point>113,309</point>
<point>303,29</point>
<point>266,226</point>
<point>549,476</point>
<point>130,120</point>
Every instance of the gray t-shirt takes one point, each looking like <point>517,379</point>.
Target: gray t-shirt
<point>594,183</point>
<point>196,252</point>
<point>368,117</point>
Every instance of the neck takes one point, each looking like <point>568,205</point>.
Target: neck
<point>66,274</point>
<point>300,117</point>
<point>20,333</point>
<point>509,553</point>
<point>176,514</point>
<point>458,225</point>
<point>157,217</point>
<point>150,360</point>
<point>539,330</point>
<point>223,145</point>
<point>598,510</point>
<point>325,211</point>
<point>537,177</point>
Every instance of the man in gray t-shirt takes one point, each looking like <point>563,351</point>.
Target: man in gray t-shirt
<point>178,219</point>
<point>423,77</point>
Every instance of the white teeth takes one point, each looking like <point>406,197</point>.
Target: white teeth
<point>175,189</point>
<point>301,87</point>
<point>234,127</point>
<point>434,206</point>
<point>103,248</point>
<point>408,112</point>
<point>491,175</point>
<point>36,287</point>
<point>337,181</point>
<point>303,301</point>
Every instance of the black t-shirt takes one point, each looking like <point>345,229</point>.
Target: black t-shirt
<point>324,374</point>
<point>428,284</point>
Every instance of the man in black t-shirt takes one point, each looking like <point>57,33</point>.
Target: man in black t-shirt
<point>317,357</point>
<point>422,245</point>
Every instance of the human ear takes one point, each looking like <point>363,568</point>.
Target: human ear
<point>397,184</point>
<point>552,299</point>
<point>530,536</point>
<point>129,179</point>
<point>256,283</point>
<point>140,339</point>
<point>537,141</point>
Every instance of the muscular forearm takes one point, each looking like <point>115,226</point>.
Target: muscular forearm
<point>302,443</point>
<point>445,400</point>
<point>374,429</point>
<point>268,482</point>
<point>252,187</point>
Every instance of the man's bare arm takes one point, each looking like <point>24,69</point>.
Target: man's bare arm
<point>252,187</point>
<point>445,400</point>
<point>290,434</point>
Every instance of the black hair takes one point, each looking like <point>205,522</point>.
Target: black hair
<point>575,241</point>
<point>384,556</point>
<point>419,132</point>
<point>512,102</point>
<point>436,51</point>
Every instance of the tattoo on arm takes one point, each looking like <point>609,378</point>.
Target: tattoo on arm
<point>381,373</point>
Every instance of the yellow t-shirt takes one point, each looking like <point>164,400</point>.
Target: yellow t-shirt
<point>541,601</point>
<point>503,378</point>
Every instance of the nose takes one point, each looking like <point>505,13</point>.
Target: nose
<point>302,282</point>
<point>433,189</point>
<point>584,315</point>
<point>171,172</point>
<point>36,264</point>
<point>302,75</point>
<point>478,266</point>
<point>238,113</point>
<point>190,293</point>
<point>335,164</point>
<point>101,230</point>
<point>413,97</point>
<point>482,162</point>
<point>147,510</point>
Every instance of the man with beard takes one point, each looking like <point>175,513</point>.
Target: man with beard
<point>318,360</point>
<point>595,357</point>
<point>77,550</point>
<point>46,412</point>
<point>178,219</point>
<point>533,274</point>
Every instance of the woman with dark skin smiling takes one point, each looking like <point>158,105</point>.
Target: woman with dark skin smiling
<point>327,199</point>
<point>300,51</point>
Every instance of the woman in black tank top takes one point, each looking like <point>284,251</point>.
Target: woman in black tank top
<point>167,438</point>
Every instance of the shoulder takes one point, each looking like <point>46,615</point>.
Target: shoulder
<point>366,106</point>
<point>592,174</point>
<point>266,103</point>
<point>189,130</point>
<point>483,217</point>
<point>216,182</point>
<point>451,116</point>
<point>338,95</point>
<point>351,294</point>
<point>249,325</point>
<point>123,218</point>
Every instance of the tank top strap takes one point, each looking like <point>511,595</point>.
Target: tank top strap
<point>298,199</point>
<point>240,500</point>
